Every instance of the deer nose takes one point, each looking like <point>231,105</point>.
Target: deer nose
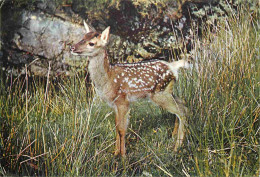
<point>72,48</point>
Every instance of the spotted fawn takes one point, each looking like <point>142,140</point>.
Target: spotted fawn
<point>121,84</point>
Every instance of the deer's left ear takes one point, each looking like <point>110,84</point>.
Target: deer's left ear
<point>105,35</point>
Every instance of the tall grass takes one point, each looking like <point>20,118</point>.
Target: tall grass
<point>224,96</point>
<point>56,128</point>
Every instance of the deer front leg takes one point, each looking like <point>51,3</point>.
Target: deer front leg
<point>117,149</point>
<point>122,111</point>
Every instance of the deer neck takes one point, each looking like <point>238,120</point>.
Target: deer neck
<point>99,70</point>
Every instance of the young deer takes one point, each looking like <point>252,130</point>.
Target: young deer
<point>121,84</point>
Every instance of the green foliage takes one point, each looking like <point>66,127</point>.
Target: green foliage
<point>29,4</point>
<point>57,128</point>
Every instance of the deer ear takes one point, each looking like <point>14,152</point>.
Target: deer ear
<point>87,28</point>
<point>105,35</point>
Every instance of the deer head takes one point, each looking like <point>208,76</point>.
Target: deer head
<point>92,42</point>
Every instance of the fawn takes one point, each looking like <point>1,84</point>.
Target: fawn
<point>121,84</point>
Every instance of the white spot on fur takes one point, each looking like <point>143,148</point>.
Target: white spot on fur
<point>126,79</point>
<point>132,85</point>
<point>163,76</point>
<point>140,81</point>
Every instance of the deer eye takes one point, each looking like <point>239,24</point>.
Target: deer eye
<point>91,44</point>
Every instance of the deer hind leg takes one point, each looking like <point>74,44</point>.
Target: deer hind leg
<point>176,126</point>
<point>121,121</point>
<point>175,106</point>
<point>184,109</point>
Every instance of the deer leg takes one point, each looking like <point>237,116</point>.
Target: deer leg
<point>117,149</point>
<point>178,101</point>
<point>122,111</point>
<point>181,133</point>
<point>175,106</point>
<point>176,126</point>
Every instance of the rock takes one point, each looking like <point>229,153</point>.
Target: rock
<point>45,35</point>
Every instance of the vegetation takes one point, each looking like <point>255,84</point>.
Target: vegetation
<point>57,128</point>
